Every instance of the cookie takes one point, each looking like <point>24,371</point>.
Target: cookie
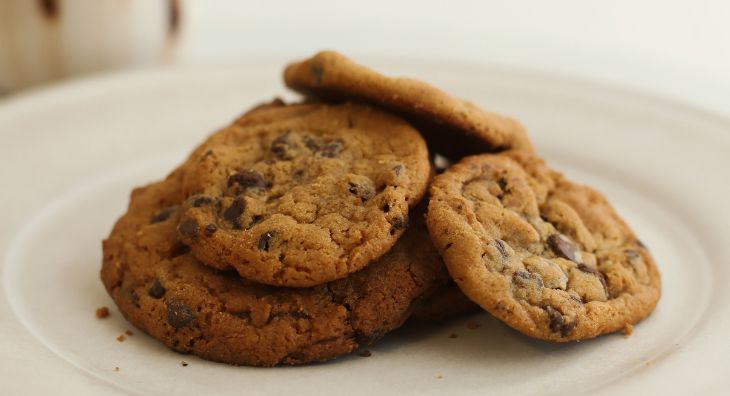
<point>549,257</point>
<point>445,302</point>
<point>165,291</point>
<point>303,194</point>
<point>453,127</point>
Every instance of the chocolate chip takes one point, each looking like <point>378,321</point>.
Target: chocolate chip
<point>248,179</point>
<point>527,278</point>
<point>562,247</point>
<point>210,229</point>
<point>279,146</point>
<point>311,144</point>
<point>299,174</point>
<point>234,212</point>
<point>200,200</point>
<point>179,315</point>
<point>353,188</point>
<point>178,249</point>
<point>162,215</point>
<point>557,322</point>
<point>595,272</point>
<point>567,328</point>
<point>501,248</point>
<point>188,228</point>
<point>386,208</point>
<point>332,149</point>
<point>398,223</point>
<point>156,290</point>
<point>397,169</point>
<point>502,184</point>
<point>265,240</point>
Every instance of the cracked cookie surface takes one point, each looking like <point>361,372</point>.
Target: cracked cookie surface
<point>162,289</point>
<point>549,257</point>
<point>452,127</point>
<point>302,194</point>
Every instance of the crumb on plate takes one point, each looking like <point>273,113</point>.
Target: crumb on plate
<point>102,312</point>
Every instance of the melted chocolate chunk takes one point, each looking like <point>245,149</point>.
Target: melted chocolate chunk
<point>188,228</point>
<point>501,248</point>
<point>178,249</point>
<point>279,146</point>
<point>200,200</point>
<point>527,278</point>
<point>248,179</point>
<point>156,290</point>
<point>332,149</point>
<point>562,247</point>
<point>397,169</point>
<point>595,272</point>
<point>210,229</point>
<point>162,215</point>
<point>265,240</point>
<point>233,214</point>
<point>179,315</point>
<point>556,320</point>
<point>502,184</point>
<point>386,208</point>
<point>311,144</point>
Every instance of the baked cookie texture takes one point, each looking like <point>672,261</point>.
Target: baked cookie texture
<point>549,257</point>
<point>303,194</point>
<point>160,287</point>
<point>443,303</point>
<point>452,127</point>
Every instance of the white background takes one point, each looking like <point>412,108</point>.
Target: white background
<point>679,50</point>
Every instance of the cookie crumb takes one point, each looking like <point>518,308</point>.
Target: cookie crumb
<point>453,335</point>
<point>439,376</point>
<point>116,368</point>
<point>121,338</point>
<point>102,312</point>
<point>473,325</point>
<point>366,353</point>
<point>628,330</point>
<point>128,332</point>
<point>648,363</point>
<point>184,363</point>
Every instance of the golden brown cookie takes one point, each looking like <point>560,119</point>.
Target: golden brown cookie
<point>452,127</point>
<point>162,289</point>
<point>445,302</point>
<point>549,257</point>
<point>303,194</point>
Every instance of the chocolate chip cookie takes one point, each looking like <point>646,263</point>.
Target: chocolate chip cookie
<point>549,257</point>
<point>192,308</point>
<point>452,127</point>
<point>445,302</point>
<point>302,194</point>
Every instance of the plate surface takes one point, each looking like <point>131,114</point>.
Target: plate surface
<point>71,155</point>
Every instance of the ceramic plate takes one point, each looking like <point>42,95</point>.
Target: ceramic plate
<point>71,154</point>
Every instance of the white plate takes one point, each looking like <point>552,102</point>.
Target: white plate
<point>70,155</point>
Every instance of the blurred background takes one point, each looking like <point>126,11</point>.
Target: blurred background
<point>677,49</point>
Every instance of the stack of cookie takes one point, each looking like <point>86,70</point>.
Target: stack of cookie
<point>303,231</point>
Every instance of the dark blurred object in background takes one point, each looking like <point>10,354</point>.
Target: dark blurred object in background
<point>44,40</point>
